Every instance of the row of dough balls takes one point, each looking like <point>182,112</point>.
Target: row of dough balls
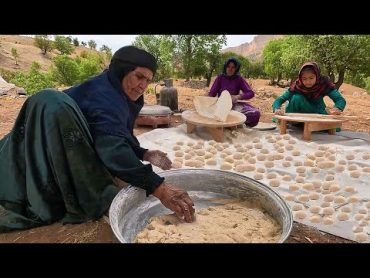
<point>327,216</point>
<point>210,152</point>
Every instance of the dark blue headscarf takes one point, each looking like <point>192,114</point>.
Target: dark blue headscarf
<point>104,103</point>
<point>237,67</point>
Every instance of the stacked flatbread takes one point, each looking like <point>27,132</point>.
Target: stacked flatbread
<point>214,108</point>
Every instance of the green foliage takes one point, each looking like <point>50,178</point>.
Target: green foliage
<point>83,44</point>
<point>256,71</point>
<point>367,84</point>
<point>43,42</point>
<point>33,81</point>
<point>272,59</point>
<point>65,70</point>
<point>15,55</point>
<point>62,44</point>
<point>161,47</point>
<point>92,44</point>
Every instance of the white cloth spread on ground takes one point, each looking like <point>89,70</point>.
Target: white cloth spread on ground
<point>324,181</point>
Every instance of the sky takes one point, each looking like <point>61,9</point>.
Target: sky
<point>116,41</point>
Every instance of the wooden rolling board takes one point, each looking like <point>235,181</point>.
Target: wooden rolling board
<point>308,118</point>
<point>311,123</point>
<point>193,119</point>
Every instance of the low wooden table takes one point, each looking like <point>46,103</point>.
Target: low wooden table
<point>312,122</point>
<point>193,119</point>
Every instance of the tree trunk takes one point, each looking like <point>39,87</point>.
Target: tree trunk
<point>340,79</point>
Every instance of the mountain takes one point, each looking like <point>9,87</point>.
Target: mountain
<point>253,50</point>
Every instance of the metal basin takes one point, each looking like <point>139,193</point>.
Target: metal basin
<point>131,209</point>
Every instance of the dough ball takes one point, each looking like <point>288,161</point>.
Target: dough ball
<point>297,207</point>
<point>258,176</point>
<point>300,214</point>
<point>340,168</point>
<point>274,183</point>
<point>271,176</point>
<point>353,199</point>
<point>325,204</point>
<point>211,161</point>
<point>237,156</point>
<point>339,199</point>
<point>328,211</point>
<point>179,154</point>
<point>289,158</point>
<point>342,216</point>
<point>269,164</point>
<point>264,151</point>
<point>329,198</point>
<point>334,188</point>
<point>226,166</point>
<point>315,209</point>
<point>286,178</point>
<point>293,187</point>
<point>261,157</point>
<point>361,237</point>
<point>315,170</point>
<point>327,220</point>
<point>315,218</point>
<point>308,186</point>
<point>245,168</point>
<point>355,174</point>
<point>350,156</point>
<point>352,167</point>
<point>261,170</point>
<point>314,196</point>
<point>298,163</point>
<point>200,152</point>
<point>303,198</point>
<point>342,162</point>
<point>301,169</point>
<point>299,179</point>
<point>176,165</point>
<point>289,197</point>
<point>176,148</point>
<point>296,153</point>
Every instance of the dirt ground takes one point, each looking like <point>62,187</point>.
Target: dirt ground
<point>358,103</point>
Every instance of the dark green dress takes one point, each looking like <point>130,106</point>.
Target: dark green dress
<point>49,170</point>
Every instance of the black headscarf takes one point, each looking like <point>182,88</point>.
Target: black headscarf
<point>237,67</point>
<point>127,58</point>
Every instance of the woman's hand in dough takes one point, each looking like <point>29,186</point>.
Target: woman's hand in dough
<point>176,200</point>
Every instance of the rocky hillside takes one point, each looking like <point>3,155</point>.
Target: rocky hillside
<point>253,50</point>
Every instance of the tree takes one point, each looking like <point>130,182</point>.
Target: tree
<point>162,48</point>
<point>272,59</point>
<point>32,81</point>
<point>76,42</point>
<point>338,54</point>
<point>83,44</point>
<point>62,44</point>
<point>108,51</point>
<point>43,42</point>
<point>15,55</point>
<point>92,44</point>
<point>65,70</point>
<point>208,55</point>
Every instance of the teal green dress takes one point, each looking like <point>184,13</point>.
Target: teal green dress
<point>300,104</point>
